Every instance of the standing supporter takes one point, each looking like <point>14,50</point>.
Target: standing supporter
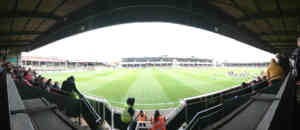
<point>158,121</point>
<point>128,113</point>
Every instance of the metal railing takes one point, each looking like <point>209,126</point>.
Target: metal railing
<point>207,112</point>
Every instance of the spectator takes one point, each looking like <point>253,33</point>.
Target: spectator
<point>142,117</point>
<point>1,69</point>
<point>128,113</point>
<point>37,80</point>
<point>28,76</point>
<point>295,63</point>
<point>274,75</point>
<point>158,121</point>
<point>283,61</point>
<point>244,85</point>
<point>49,84</point>
<point>42,83</point>
<point>56,85</point>
<point>259,79</point>
<point>70,87</point>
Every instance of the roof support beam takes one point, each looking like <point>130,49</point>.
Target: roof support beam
<point>281,15</point>
<point>269,14</point>
<point>280,33</point>
<point>260,10</point>
<point>284,41</point>
<point>51,12</point>
<point>30,15</point>
<point>14,42</point>
<point>33,11</point>
<point>286,46</point>
<point>19,33</point>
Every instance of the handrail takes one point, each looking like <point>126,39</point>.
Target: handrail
<point>196,117</point>
<point>90,108</point>
<point>213,93</point>
<point>184,101</point>
<point>269,116</point>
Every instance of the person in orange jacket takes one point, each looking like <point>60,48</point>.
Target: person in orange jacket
<point>158,121</point>
<point>142,117</point>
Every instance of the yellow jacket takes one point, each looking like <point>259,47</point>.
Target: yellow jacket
<point>274,71</point>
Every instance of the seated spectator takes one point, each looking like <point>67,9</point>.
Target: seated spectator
<point>158,121</point>
<point>244,85</point>
<point>28,76</point>
<point>274,75</point>
<point>142,117</point>
<point>37,80</point>
<point>56,85</point>
<point>1,69</point>
<point>27,83</point>
<point>42,83</point>
<point>49,84</point>
<point>70,87</point>
<point>259,79</point>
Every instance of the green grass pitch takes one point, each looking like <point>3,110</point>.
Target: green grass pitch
<point>153,88</point>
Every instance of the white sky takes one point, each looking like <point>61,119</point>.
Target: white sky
<point>151,39</point>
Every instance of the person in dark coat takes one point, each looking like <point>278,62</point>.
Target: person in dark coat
<point>70,87</point>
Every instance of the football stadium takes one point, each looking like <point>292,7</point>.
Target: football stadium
<point>158,82</point>
<point>150,64</point>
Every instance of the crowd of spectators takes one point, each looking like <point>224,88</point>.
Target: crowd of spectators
<point>29,78</point>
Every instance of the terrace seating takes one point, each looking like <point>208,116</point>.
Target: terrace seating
<point>249,112</point>
<point>233,97</point>
<point>34,114</point>
<point>64,102</point>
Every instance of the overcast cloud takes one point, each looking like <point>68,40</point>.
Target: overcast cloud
<point>151,39</point>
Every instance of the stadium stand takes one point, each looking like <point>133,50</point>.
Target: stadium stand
<point>165,62</point>
<point>269,25</point>
<point>56,64</point>
<point>197,112</point>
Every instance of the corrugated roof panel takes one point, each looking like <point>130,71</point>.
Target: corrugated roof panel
<point>19,24</point>
<point>230,10</point>
<point>6,5</point>
<point>71,6</point>
<point>267,5</point>
<point>27,5</point>
<point>49,5</point>
<point>34,22</point>
<point>247,5</point>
